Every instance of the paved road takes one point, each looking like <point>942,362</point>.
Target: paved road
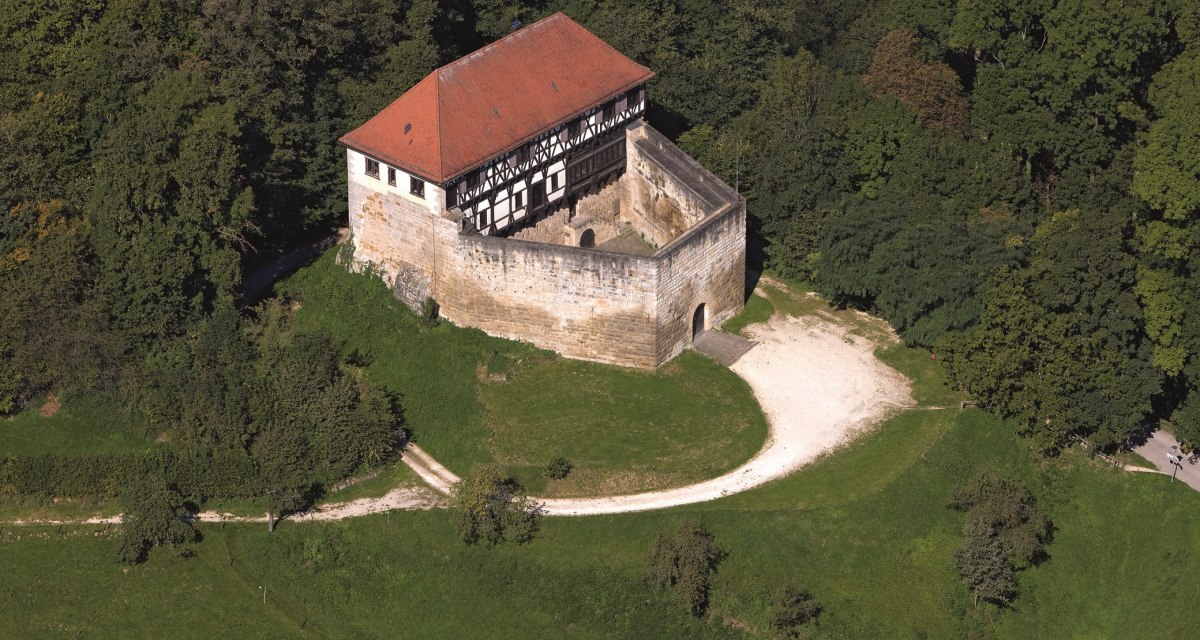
<point>1155,450</point>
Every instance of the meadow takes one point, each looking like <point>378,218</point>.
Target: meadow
<point>865,528</point>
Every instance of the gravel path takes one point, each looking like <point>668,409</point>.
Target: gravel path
<point>818,386</point>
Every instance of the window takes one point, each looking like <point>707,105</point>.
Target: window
<point>472,181</point>
<point>573,128</point>
<point>416,186</point>
<point>553,182</point>
<point>391,176</point>
<point>373,168</point>
<point>451,198</point>
<point>537,194</point>
<point>609,111</point>
<point>518,200</point>
<point>623,102</point>
<point>523,153</point>
<point>563,134</point>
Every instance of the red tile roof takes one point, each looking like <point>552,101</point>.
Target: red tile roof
<point>496,98</point>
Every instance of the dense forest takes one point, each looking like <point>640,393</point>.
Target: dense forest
<point>1012,184</point>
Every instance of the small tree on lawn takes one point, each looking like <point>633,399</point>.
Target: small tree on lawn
<point>1004,532</point>
<point>984,565</point>
<point>491,508</point>
<point>683,562</point>
<point>155,516</point>
<point>792,610</point>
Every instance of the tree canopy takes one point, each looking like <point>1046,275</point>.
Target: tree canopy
<point>1013,183</point>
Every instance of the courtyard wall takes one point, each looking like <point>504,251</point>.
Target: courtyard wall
<point>584,303</point>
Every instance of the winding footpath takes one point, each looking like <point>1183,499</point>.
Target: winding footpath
<point>818,384</point>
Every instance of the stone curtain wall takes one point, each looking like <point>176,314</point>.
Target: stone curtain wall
<point>583,303</point>
<point>707,265</point>
<point>666,192</point>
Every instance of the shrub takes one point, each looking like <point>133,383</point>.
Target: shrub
<point>490,508</point>
<point>793,608</point>
<point>429,312</point>
<point>154,516</point>
<point>558,468</point>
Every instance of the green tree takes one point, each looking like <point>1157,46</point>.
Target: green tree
<point>1168,178</point>
<point>51,329</point>
<point>155,516</point>
<point>282,456</point>
<point>1060,346</point>
<point>683,562</point>
<point>1004,532</point>
<point>983,564</point>
<point>491,509</point>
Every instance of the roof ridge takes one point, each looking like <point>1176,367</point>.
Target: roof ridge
<point>437,116</point>
<point>465,58</point>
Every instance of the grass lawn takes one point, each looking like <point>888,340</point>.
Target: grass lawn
<point>865,529</point>
<point>758,309</point>
<point>89,424</point>
<point>624,430</point>
<point>471,398</point>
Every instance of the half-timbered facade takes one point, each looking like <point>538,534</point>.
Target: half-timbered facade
<point>552,171</point>
<point>521,188</point>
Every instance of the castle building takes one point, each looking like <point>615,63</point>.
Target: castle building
<point>521,188</point>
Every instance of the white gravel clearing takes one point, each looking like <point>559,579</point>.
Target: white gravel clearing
<point>819,387</point>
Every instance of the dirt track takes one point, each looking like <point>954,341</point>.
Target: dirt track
<point>818,386</point>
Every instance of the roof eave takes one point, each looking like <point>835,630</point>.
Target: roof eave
<point>345,141</point>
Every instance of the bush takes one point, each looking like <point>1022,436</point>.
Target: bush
<point>490,508</point>
<point>683,563</point>
<point>429,312</point>
<point>792,609</point>
<point>154,516</point>
<point>196,474</point>
<point>558,468</point>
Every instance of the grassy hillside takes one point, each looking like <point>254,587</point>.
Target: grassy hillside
<point>865,529</point>
<point>472,398</point>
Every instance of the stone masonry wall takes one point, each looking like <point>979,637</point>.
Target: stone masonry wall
<point>583,303</point>
<point>660,201</point>
<point>389,231</point>
<point>707,265</point>
<point>600,212</point>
